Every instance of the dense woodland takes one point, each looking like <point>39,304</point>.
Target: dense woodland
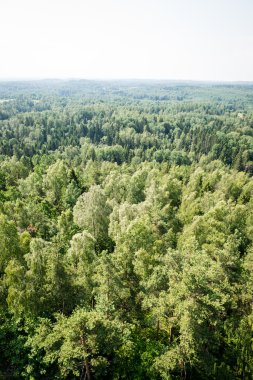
<point>126,230</point>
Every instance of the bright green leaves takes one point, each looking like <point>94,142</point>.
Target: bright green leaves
<point>9,242</point>
<point>40,285</point>
<point>81,262</point>
<point>81,344</point>
<point>149,276</point>
<point>194,306</point>
<point>55,182</point>
<point>91,213</point>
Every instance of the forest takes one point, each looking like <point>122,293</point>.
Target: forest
<point>126,230</point>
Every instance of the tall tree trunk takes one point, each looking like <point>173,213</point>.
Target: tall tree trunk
<point>87,368</point>
<point>86,362</point>
<point>171,334</point>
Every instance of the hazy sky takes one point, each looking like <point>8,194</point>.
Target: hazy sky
<point>169,39</point>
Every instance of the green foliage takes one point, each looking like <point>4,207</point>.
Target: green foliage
<point>91,212</point>
<point>80,344</point>
<point>126,247</point>
<point>9,242</point>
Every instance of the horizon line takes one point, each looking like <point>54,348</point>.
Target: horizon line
<point>121,79</point>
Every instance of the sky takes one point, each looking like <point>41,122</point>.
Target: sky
<point>127,39</point>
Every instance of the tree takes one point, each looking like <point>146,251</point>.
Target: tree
<point>9,242</point>
<point>55,182</point>
<point>91,213</point>
<point>83,345</point>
